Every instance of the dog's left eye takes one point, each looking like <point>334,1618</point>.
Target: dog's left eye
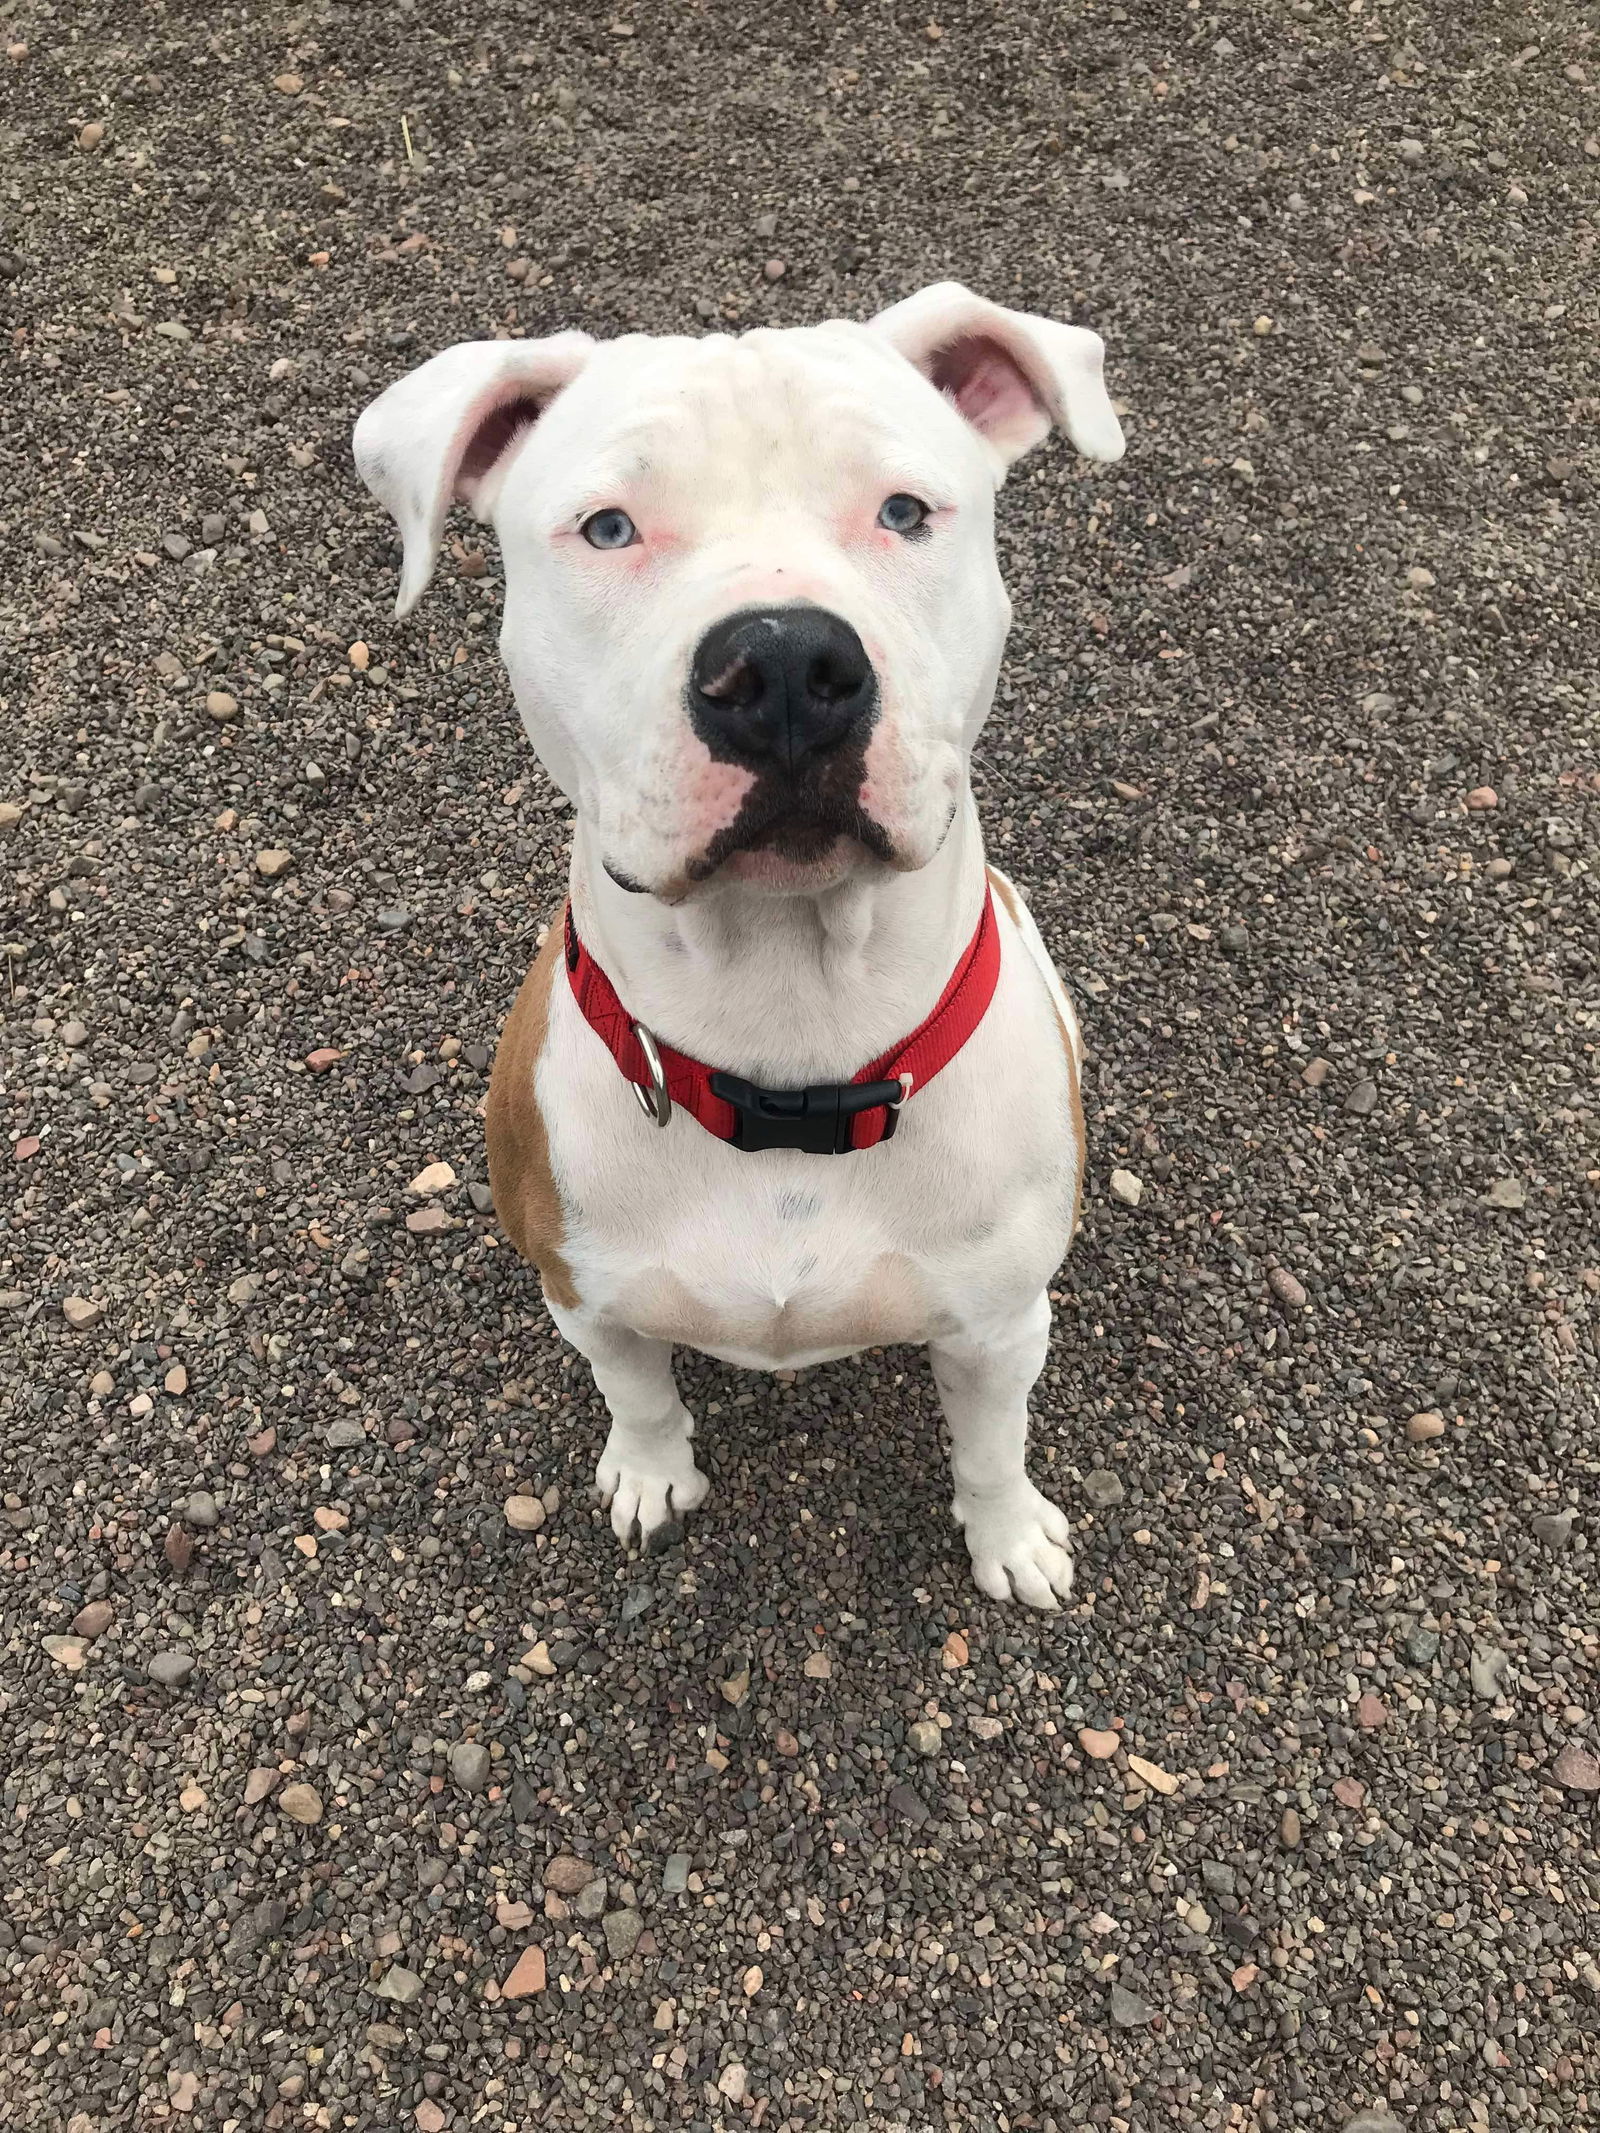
<point>903,514</point>
<point>609,529</point>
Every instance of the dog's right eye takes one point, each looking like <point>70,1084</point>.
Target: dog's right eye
<point>609,529</point>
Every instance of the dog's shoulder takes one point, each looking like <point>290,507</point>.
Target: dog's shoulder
<point>526,1198</point>
<point>1009,898</point>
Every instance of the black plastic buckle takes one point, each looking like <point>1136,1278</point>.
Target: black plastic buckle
<point>814,1120</point>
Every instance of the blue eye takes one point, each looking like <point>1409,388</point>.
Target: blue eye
<point>903,514</point>
<point>609,529</point>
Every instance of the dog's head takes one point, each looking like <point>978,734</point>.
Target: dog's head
<point>753,616</point>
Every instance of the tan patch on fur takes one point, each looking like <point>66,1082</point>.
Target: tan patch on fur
<point>525,1196</point>
<point>886,1306</point>
<point>1008,897</point>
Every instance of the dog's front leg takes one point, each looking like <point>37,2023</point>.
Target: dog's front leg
<point>647,1472</point>
<point>1018,1540</point>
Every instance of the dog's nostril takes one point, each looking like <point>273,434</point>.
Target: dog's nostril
<point>736,683</point>
<point>828,678</point>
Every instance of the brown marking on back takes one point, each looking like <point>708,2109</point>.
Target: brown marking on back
<point>524,1186</point>
<point>1008,897</point>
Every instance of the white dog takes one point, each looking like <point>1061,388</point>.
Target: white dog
<point>753,619</point>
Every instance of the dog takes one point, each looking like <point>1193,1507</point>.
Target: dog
<point>793,1074</point>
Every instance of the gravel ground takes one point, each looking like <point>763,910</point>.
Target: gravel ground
<point>336,1800</point>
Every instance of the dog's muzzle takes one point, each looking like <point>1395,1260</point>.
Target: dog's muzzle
<point>775,689</point>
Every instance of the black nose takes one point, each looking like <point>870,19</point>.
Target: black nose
<point>777,685</point>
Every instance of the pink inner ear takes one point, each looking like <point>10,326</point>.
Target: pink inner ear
<point>494,435</point>
<point>987,386</point>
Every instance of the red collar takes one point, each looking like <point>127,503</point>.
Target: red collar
<point>830,1118</point>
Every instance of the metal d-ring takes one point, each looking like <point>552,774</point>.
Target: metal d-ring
<point>654,1101</point>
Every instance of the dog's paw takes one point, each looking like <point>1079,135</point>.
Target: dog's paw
<point>1020,1545</point>
<point>648,1486</point>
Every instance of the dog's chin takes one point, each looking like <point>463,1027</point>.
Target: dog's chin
<point>784,870</point>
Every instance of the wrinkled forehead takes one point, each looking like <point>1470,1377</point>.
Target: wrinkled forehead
<point>739,419</point>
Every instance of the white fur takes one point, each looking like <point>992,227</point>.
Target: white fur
<point>754,469</point>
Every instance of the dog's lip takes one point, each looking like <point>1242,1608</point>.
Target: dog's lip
<point>816,832</point>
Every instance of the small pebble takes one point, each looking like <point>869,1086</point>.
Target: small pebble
<point>567,1874</point>
<point>1128,2011</point>
<point>1285,1287</point>
<point>1126,1187</point>
<point>1554,1528</point>
<point>469,1765</point>
<point>527,1975</point>
<point>302,1804</point>
<point>1577,1769</point>
<point>1488,1668</point>
<point>172,1669</point>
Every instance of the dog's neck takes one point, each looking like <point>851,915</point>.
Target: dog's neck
<point>787,990</point>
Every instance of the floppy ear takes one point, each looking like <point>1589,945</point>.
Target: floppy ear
<point>447,431</point>
<point>1010,374</point>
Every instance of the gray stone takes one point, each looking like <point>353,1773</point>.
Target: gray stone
<point>675,1874</point>
<point>1103,1488</point>
<point>622,1930</point>
<point>1554,1528</point>
<point>590,1901</point>
<point>400,1985</point>
<point>201,1509</point>
<point>1128,2011</point>
<point>469,1765</point>
<point>908,1805</point>
<point>1362,1100</point>
<point>1219,1877</point>
<point>172,1669</point>
<point>1488,1669</point>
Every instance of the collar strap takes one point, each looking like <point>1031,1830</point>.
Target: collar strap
<point>829,1118</point>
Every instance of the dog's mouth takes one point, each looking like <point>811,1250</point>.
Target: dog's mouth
<point>795,834</point>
